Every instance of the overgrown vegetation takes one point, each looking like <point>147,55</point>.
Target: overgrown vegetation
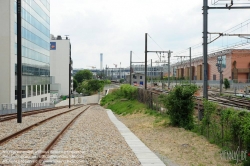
<point>226,83</point>
<point>89,87</point>
<point>82,75</point>
<point>180,105</point>
<point>75,84</point>
<point>123,101</point>
<point>227,128</point>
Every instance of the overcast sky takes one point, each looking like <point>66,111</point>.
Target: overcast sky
<point>116,27</point>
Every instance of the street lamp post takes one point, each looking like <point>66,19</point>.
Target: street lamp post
<point>19,61</point>
<point>69,75</point>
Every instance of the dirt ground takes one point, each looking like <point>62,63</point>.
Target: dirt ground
<point>181,147</point>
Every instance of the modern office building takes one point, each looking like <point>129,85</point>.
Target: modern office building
<point>60,50</point>
<point>35,51</point>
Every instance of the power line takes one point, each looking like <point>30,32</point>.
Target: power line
<point>228,31</point>
<point>155,42</point>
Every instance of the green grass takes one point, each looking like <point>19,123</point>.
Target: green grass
<point>126,107</point>
<point>115,101</point>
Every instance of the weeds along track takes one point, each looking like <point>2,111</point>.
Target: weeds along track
<point>228,101</point>
<point>37,137</point>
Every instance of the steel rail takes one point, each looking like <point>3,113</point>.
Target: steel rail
<point>13,116</point>
<point>42,156</point>
<point>9,137</point>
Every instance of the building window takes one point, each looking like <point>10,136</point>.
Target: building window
<point>214,77</point>
<point>24,105</point>
<point>140,77</point>
<point>29,104</point>
<point>42,89</point>
<point>23,91</point>
<point>29,91</point>
<point>38,90</point>
<point>42,99</point>
<point>34,90</point>
<point>49,88</point>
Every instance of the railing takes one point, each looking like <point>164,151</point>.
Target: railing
<point>12,108</point>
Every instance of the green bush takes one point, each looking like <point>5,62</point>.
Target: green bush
<point>180,105</point>
<point>82,75</point>
<point>226,127</point>
<point>226,83</point>
<point>128,91</point>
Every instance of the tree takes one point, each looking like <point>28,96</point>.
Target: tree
<point>93,85</point>
<point>82,75</point>
<point>75,84</point>
<point>89,87</point>
<point>226,83</point>
<point>180,105</point>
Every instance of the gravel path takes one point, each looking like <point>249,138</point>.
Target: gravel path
<point>92,140</point>
<point>21,150</point>
<point>11,126</point>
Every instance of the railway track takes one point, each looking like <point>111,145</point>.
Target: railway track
<point>28,113</point>
<point>223,101</point>
<point>50,130</point>
<point>232,101</point>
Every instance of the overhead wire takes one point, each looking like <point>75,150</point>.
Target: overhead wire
<point>238,44</point>
<point>155,42</point>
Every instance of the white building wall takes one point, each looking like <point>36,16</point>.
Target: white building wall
<point>8,57</point>
<point>6,51</point>
<point>59,64</point>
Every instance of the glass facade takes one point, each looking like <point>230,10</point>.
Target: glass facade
<point>35,37</point>
<point>35,45</point>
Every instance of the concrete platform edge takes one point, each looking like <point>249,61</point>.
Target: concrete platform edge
<point>142,152</point>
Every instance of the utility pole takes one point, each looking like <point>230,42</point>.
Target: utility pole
<point>69,75</point>
<point>169,55</point>
<point>205,14</point>
<point>146,51</point>
<point>19,61</point>
<point>112,74</point>
<point>190,69</point>
<point>146,58</point>
<point>106,72</point>
<point>130,80</point>
<point>219,67</point>
<point>151,73</point>
<point>205,32</point>
<point>120,71</point>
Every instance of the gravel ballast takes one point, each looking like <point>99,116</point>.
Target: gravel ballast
<point>23,149</point>
<point>92,140</point>
<point>11,126</point>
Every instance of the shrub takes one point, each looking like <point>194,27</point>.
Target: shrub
<point>226,83</point>
<point>180,105</point>
<point>128,91</point>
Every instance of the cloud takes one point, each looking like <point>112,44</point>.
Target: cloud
<point>116,27</point>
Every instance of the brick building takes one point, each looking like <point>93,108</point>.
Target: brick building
<point>235,63</point>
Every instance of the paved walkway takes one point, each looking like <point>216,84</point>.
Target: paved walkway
<point>80,100</point>
<point>142,152</point>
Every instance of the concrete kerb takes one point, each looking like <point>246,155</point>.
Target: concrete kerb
<point>142,152</point>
